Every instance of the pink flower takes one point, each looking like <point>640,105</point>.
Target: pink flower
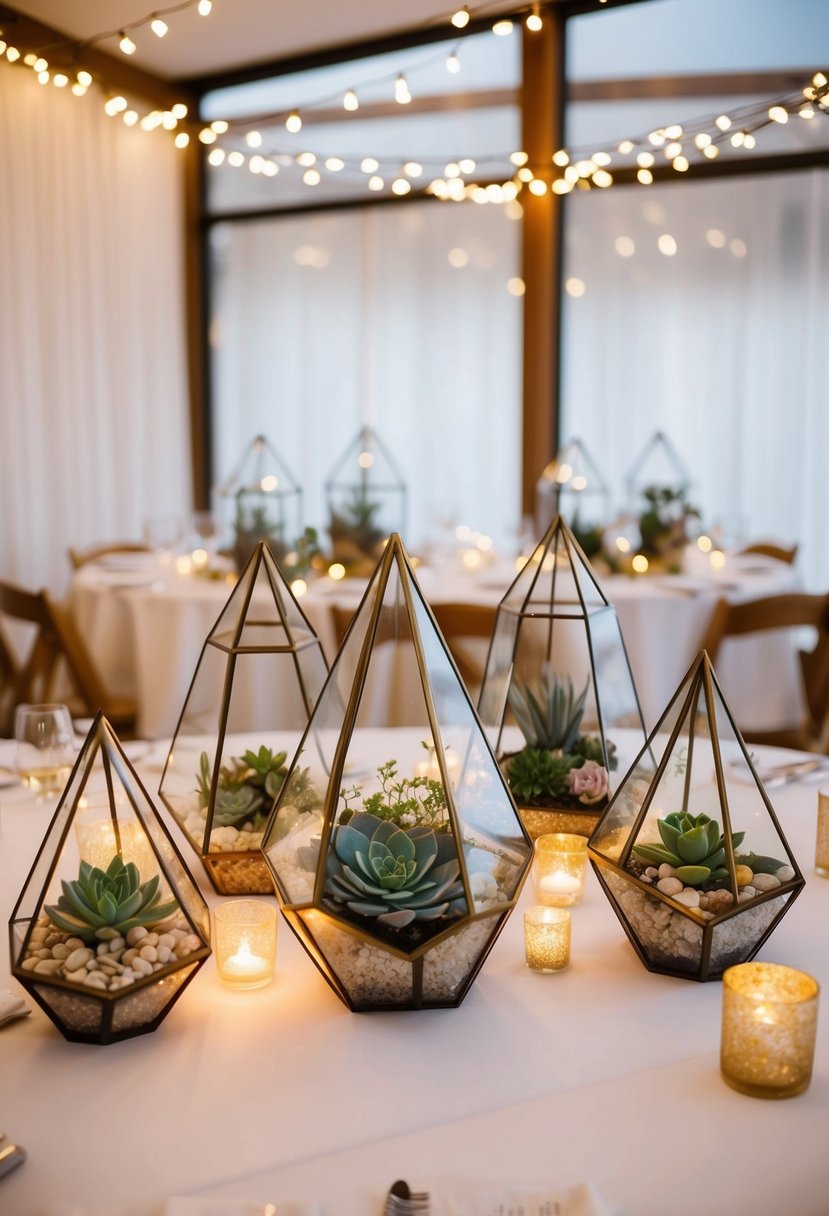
<point>589,783</point>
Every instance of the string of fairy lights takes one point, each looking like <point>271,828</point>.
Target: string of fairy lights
<point>255,142</point>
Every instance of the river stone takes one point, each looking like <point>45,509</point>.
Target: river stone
<point>669,886</point>
<point>765,882</point>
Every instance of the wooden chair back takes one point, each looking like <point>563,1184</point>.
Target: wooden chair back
<point>80,557</point>
<point>780,553</point>
<point>55,652</point>
<point>792,611</point>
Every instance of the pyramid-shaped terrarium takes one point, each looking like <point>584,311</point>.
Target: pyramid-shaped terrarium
<point>690,853</point>
<point>262,502</point>
<point>109,927</point>
<point>396,851</point>
<point>657,488</point>
<point>260,671</point>
<point>366,499</point>
<point>558,698</point>
<point>572,486</point>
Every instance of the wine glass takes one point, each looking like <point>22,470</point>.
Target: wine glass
<point>45,750</point>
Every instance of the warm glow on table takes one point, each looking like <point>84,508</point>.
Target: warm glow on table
<point>245,943</point>
<point>547,938</point>
<point>769,1022</point>
<point>558,869</point>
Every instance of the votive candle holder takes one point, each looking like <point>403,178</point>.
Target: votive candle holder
<point>547,938</point>
<point>822,843</point>
<point>769,1022</point>
<point>558,869</point>
<point>245,943</point>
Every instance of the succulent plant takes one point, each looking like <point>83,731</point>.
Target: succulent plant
<point>693,844</point>
<point>246,785</point>
<point>548,712</point>
<point>108,903</point>
<point>590,747</point>
<point>538,775</point>
<point>398,875</point>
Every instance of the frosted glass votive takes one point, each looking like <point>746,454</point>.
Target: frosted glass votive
<point>245,943</point>
<point>559,860</point>
<point>769,1022</point>
<point>547,938</point>
<point>822,844</point>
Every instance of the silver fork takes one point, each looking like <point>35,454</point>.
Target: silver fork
<point>400,1201</point>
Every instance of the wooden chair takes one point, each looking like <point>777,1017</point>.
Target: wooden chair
<point>56,652</point>
<point>80,557</point>
<point>793,611</point>
<point>780,553</point>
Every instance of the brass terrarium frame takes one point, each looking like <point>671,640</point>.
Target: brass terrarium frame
<point>518,609</point>
<point>303,916</point>
<point>65,1002</point>
<point>379,477</point>
<point>659,446</point>
<point>294,638</point>
<point>700,681</point>
<point>258,467</point>
<point>567,481</point>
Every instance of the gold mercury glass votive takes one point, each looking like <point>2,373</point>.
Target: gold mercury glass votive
<point>547,938</point>
<point>245,943</point>
<point>769,1020</point>
<point>822,845</point>
<point>558,869</point>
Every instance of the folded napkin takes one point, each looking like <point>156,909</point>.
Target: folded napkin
<point>12,1007</point>
<point>479,1199</point>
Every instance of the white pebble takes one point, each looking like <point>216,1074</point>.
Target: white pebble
<point>689,897</point>
<point>150,940</point>
<point>165,954</point>
<point>168,940</point>
<point>669,886</point>
<point>29,964</point>
<point>78,958</point>
<point>102,949</point>
<point>61,950</point>
<point>149,953</point>
<point>765,882</point>
<point>128,975</point>
<point>40,933</point>
<point>116,944</point>
<point>191,943</point>
<point>74,943</point>
<point>76,977</point>
<point>135,934</point>
<point>666,871</point>
<point>95,979</point>
<point>784,873</point>
<point>52,939</point>
<point>141,967</point>
<point>128,956</point>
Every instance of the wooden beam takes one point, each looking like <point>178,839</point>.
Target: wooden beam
<point>705,84</point>
<point>542,119</point>
<point>197,323</point>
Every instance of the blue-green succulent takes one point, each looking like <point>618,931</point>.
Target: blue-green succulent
<point>693,844</point>
<point>108,903</point>
<point>397,875</point>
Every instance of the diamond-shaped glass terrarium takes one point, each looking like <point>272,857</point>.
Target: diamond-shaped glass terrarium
<point>690,853</point>
<point>263,501</point>
<point>110,926</point>
<point>572,486</point>
<point>657,488</point>
<point>366,499</point>
<point>260,672</point>
<point>397,852</point>
<point>558,698</point>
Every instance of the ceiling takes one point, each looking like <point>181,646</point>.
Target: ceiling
<point>237,32</point>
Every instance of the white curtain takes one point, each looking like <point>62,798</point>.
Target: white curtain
<point>723,344</point>
<point>93,407</point>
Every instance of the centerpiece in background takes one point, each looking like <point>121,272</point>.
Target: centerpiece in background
<point>110,926</point>
<point>396,852</point>
<point>366,498</point>
<point>690,853</point>
<point>657,491</point>
<point>260,672</point>
<point>572,486</point>
<point>558,670</point>
<point>264,503</point>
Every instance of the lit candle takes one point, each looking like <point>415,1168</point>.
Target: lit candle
<point>547,938</point>
<point>558,869</point>
<point>822,845</point>
<point>245,943</point>
<point>769,1021</point>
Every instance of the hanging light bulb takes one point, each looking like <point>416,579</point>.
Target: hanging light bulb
<point>351,100</point>
<point>181,140</point>
<point>502,28</point>
<point>12,54</point>
<point>205,8</point>
<point>453,63</point>
<point>159,27</point>
<point>460,19</point>
<point>84,79</point>
<point>219,125</point>
<point>60,80</point>
<point>293,122</point>
<point>38,65</point>
<point>369,165</point>
<point>178,111</point>
<point>401,91</point>
<point>534,22</point>
<point>126,44</point>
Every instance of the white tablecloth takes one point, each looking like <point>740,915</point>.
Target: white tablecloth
<point>602,1072</point>
<point>146,631</point>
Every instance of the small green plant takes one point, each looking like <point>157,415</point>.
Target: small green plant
<point>535,775</point>
<point>247,786</point>
<point>548,711</point>
<point>663,522</point>
<point>354,522</point>
<point>693,844</point>
<point>407,801</point>
<point>108,903</point>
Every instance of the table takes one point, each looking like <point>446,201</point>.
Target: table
<point>146,628</point>
<point>602,1072</point>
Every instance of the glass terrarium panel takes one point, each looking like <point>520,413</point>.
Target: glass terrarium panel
<point>492,704</point>
<point>366,500</point>
<point>370,975</point>
<point>668,938</point>
<point>143,1006</point>
<point>555,575</point>
<point>78,1013</point>
<point>657,465</point>
<point>273,516</point>
<point>556,646</point>
<point>736,939</point>
<point>572,486</point>
<point>448,964</point>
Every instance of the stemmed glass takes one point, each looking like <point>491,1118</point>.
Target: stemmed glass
<point>45,750</point>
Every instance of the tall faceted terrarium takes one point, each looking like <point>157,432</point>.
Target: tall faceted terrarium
<point>366,498</point>
<point>572,486</point>
<point>262,502</point>
<point>558,698</point>
<point>690,853</point>
<point>657,489</point>
<point>396,851</point>
<point>109,927</point>
<point>260,672</point>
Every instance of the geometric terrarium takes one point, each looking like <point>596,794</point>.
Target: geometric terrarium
<point>690,852</point>
<point>110,926</point>
<point>558,697</point>
<point>260,671</point>
<point>396,851</point>
<point>366,499</point>
<point>657,489</point>
<point>572,486</point>
<point>266,503</point>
